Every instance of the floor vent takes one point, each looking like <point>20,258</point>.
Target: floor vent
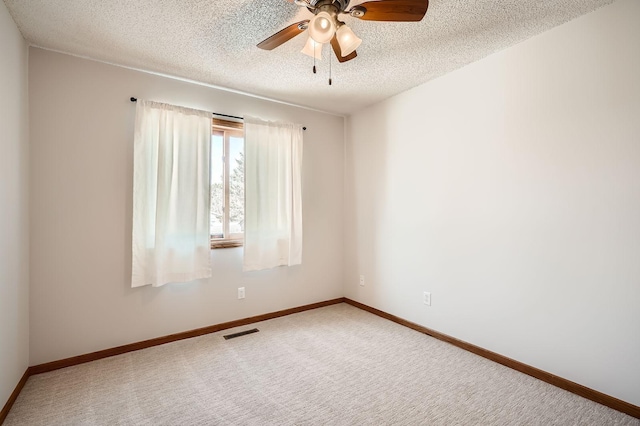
<point>241,333</point>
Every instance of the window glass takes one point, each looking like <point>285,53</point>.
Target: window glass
<point>217,185</point>
<point>227,184</point>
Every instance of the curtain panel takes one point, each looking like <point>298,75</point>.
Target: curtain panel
<point>170,238</point>
<point>273,194</point>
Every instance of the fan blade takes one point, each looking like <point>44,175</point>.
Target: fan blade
<point>336,50</point>
<point>394,10</point>
<point>282,36</point>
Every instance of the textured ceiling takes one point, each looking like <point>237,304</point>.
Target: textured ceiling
<point>214,42</point>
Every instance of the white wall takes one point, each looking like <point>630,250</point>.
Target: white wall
<point>510,189</point>
<point>14,214</point>
<point>81,177</point>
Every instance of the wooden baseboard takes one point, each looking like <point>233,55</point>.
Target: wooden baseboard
<point>583,391</point>
<point>14,395</point>
<point>81,359</point>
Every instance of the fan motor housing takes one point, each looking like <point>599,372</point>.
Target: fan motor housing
<point>341,5</point>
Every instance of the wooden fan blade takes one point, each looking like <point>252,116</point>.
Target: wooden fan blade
<point>336,50</point>
<point>394,10</point>
<point>282,36</point>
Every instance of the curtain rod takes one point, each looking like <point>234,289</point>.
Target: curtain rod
<point>214,113</point>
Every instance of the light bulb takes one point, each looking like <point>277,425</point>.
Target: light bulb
<point>347,40</point>
<point>322,27</point>
<point>312,49</point>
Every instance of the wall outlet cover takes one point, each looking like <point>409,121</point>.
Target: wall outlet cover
<point>426,297</point>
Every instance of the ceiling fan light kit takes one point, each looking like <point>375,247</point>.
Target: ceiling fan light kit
<point>347,40</point>
<point>322,27</point>
<point>325,27</point>
<point>313,49</point>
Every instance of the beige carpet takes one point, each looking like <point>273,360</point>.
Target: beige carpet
<point>331,366</point>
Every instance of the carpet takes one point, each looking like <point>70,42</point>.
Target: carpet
<point>336,365</point>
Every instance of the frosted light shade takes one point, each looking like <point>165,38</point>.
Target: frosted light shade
<point>347,40</point>
<point>322,27</point>
<point>312,49</point>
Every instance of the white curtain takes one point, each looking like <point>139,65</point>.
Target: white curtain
<point>273,194</point>
<point>170,238</point>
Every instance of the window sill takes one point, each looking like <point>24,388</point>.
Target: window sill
<point>218,244</point>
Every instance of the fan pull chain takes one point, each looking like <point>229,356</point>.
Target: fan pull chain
<point>314,57</point>
<point>330,68</point>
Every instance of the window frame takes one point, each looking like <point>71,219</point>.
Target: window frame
<point>228,129</point>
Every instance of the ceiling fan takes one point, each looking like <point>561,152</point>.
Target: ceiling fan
<point>326,27</point>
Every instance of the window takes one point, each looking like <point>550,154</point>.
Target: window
<point>227,184</point>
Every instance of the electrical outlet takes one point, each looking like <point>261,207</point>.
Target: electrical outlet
<point>426,298</point>
<point>240,292</point>
<point>362,280</point>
